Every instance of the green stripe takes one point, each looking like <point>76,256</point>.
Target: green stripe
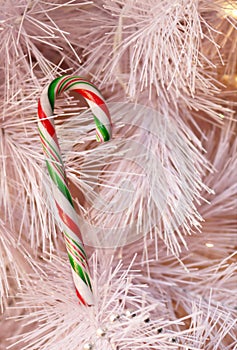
<point>53,149</point>
<point>79,271</point>
<point>65,82</point>
<point>51,91</point>
<point>82,82</point>
<point>104,132</point>
<point>60,169</point>
<point>52,86</point>
<point>82,259</point>
<point>57,180</point>
<point>78,246</point>
<point>56,163</point>
<point>54,83</point>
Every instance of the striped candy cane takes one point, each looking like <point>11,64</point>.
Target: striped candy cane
<point>63,199</point>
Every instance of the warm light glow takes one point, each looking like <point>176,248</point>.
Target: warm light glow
<point>229,80</point>
<point>209,245</point>
<point>230,9</point>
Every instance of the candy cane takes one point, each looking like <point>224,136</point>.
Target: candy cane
<point>63,199</point>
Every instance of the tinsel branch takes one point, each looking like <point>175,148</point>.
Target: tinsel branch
<point>205,275</point>
<point>124,316</point>
<point>157,50</point>
<point>151,162</point>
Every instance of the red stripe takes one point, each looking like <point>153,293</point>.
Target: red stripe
<point>48,147</point>
<point>73,81</point>
<point>43,142</point>
<point>75,257</point>
<point>99,135</point>
<point>50,150</point>
<point>80,298</point>
<point>45,121</point>
<point>60,84</point>
<point>91,96</point>
<point>67,220</point>
<point>57,167</point>
<point>75,248</point>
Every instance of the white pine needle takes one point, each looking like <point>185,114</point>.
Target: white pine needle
<point>129,315</point>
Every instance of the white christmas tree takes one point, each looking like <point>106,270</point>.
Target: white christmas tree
<point>156,204</point>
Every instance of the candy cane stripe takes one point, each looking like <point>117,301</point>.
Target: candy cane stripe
<point>49,155</point>
<point>61,85</point>
<point>69,83</point>
<point>57,180</point>
<point>74,251</point>
<point>51,145</point>
<point>80,297</point>
<point>102,132</point>
<point>45,122</point>
<point>62,197</point>
<point>75,256</point>
<point>77,259</point>
<point>69,211</point>
<point>83,84</point>
<point>44,101</point>
<point>68,221</point>
<point>80,272</point>
<point>75,246</point>
<point>52,91</point>
<point>67,235</point>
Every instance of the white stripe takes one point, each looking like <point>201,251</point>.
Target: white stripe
<point>48,138</point>
<point>66,206</point>
<point>84,86</point>
<point>73,253</point>
<point>60,83</point>
<point>96,110</point>
<point>100,114</point>
<point>83,289</point>
<point>71,234</point>
<point>45,104</point>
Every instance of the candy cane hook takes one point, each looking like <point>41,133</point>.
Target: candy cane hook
<point>63,199</point>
